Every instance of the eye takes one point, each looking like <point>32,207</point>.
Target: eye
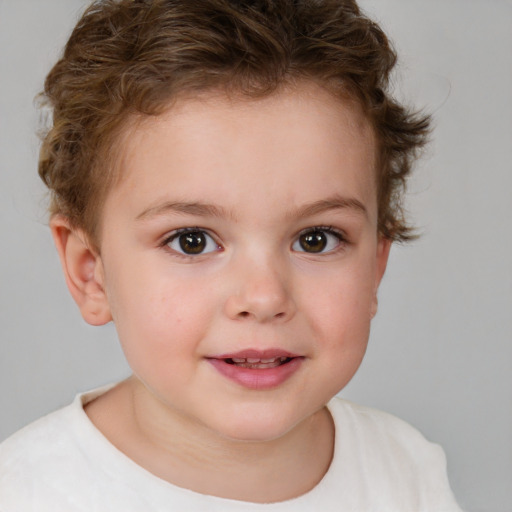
<point>192,242</point>
<point>318,240</point>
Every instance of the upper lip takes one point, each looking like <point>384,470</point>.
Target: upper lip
<point>251,353</point>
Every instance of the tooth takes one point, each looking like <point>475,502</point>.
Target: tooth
<point>269,360</point>
<point>253,360</point>
<point>238,360</point>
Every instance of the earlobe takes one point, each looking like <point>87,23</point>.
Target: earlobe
<point>83,271</point>
<point>383,248</point>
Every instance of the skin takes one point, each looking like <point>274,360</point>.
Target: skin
<point>252,175</point>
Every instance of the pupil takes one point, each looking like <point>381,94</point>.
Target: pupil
<point>313,242</point>
<point>193,243</point>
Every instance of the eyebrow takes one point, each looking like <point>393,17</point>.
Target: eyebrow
<point>335,202</point>
<point>199,209</point>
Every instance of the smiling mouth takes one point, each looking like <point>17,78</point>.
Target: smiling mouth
<point>257,363</point>
<point>257,369</point>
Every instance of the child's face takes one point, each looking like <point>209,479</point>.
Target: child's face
<point>244,230</point>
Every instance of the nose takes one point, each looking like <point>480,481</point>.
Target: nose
<point>261,293</point>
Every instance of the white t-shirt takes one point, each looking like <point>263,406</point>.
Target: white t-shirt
<point>62,463</point>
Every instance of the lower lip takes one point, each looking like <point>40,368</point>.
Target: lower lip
<point>257,378</point>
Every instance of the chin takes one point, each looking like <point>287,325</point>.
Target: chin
<point>256,427</point>
<point>250,434</point>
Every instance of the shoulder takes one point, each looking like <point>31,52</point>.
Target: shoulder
<point>45,459</point>
<point>28,457</point>
<point>48,437</point>
<point>394,458</point>
<point>377,425</point>
<point>33,440</point>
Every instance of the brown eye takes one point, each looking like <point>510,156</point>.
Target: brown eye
<point>192,242</point>
<point>318,240</point>
<point>314,241</point>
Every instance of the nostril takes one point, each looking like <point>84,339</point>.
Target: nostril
<point>247,314</point>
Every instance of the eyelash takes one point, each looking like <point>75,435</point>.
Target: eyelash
<point>183,231</point>
<point>329,230</point>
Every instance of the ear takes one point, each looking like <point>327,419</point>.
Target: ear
<point>383,248</point>
<point>83,271</point>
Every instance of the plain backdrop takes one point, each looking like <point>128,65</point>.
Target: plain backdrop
<point>440,353</point>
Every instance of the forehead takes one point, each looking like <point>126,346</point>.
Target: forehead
<point>297,139</point>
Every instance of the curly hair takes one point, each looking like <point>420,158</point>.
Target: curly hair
<point>129,58</point>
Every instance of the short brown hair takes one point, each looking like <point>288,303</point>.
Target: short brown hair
<point>133,57</point>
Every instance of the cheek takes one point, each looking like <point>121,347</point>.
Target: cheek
<point>342,326</point>
<point>160,320</point>
<point>341,302</point>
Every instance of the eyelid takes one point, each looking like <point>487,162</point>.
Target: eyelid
<point>330,230</point>
<point>171,236</point>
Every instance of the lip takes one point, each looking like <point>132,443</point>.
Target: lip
<point>257,378</point>
<point>268,353</point>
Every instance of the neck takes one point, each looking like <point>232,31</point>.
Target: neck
<point>192,456</point>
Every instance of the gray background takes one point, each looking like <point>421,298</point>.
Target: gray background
<point>440,354</point>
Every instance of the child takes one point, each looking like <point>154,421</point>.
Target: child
<point>226,180</point>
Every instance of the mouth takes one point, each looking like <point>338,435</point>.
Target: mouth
<point>254,362</point>
<point>255,369</point>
